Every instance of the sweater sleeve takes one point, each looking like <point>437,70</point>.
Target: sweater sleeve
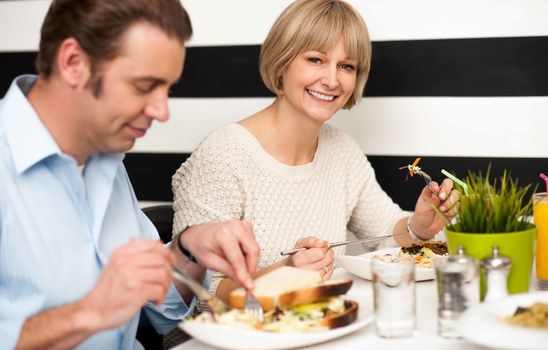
<point>206,187</point>
<point>374,213</point>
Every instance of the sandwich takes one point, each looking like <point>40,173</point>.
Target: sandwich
<point>293,300</point>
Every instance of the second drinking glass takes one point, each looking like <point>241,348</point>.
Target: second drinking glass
<point>394,296</point>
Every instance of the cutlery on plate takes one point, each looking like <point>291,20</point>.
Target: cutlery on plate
<point>253,307</point>
<point>216,304</point>
<point>338,244</point>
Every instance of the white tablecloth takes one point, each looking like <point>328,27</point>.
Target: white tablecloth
<point>425,338</point>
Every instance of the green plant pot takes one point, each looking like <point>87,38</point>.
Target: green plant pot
<point>518,246</point>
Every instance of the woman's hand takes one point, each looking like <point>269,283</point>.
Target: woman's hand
<point>425,222</point>
<point>318,256</point>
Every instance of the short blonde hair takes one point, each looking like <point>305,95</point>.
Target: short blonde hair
<point>315,25</point>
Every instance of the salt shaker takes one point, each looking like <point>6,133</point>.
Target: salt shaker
<point>457,279</point>
<point>496,269</point>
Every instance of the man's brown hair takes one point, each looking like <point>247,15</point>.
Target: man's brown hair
<point>99,25</point>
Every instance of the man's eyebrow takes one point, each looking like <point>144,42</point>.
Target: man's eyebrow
<point>149,80</point>
<point>155,81</point>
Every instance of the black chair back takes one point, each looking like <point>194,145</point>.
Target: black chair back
<point>162,218</point>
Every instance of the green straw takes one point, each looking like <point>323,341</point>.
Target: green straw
<point>455,179</point>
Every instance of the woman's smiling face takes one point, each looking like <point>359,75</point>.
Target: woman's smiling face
<point>318,84</point>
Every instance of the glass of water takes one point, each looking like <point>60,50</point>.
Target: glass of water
<point>394,296</point>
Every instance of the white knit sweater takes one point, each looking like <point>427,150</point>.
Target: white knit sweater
<point>230,176</point>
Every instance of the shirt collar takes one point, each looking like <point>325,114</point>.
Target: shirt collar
<point>28,138</point>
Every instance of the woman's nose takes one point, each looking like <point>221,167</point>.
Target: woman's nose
<point>330,78</point>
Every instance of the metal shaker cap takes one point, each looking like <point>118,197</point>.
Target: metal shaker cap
<point>496,261</point>
<point>460,257</point>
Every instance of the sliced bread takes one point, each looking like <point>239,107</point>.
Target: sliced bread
<point>290,286</point>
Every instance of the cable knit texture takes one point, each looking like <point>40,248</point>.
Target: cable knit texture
<point>230,176</point>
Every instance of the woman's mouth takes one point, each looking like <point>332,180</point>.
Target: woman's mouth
<point>320,96</point>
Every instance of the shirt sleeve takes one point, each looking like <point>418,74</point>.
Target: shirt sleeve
<point>166,316</point>
<point>374,213</point>
<point>11,320</point>
<point>17,303</point>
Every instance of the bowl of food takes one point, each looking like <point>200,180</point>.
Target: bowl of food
<point>423,254</point>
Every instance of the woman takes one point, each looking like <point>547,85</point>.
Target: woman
<point>298,180</point>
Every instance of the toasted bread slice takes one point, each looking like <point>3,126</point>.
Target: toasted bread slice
<point>350,315</point>
<point>290,286</point>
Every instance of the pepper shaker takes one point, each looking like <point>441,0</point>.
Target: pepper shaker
<point>457,280</point>
<point>496,269</point>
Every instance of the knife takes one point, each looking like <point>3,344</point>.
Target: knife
<point>343,243</point>
<point>216,304</point>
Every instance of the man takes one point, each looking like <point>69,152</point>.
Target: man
<point>78,259</point>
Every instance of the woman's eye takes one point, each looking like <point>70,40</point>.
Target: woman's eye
<point>314,60</point>
<point>347,67</point>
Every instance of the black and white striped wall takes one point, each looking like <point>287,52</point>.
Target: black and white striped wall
<point>461,84</point>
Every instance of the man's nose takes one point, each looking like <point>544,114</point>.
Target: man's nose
<point>157,107</point>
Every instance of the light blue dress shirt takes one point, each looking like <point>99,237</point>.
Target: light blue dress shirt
<point>57,231</point>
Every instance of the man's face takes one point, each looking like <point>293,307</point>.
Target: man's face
<point>134,89</point>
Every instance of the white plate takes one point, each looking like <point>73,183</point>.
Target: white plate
<point>482,324</point>
<point>227,337</point>
<point>360,265</point>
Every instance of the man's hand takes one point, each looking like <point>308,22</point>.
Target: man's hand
<point>228,247</point>
<point>137,272</point>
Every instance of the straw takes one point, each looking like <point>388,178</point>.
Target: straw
<point>460,182</point>
<point>545,178</point>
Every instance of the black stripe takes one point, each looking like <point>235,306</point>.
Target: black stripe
<point>151,173</point>
<point>452,67</point>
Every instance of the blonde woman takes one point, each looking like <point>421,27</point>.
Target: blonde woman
<point>297,180</point>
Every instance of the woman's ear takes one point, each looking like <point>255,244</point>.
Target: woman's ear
<point>73,64</point>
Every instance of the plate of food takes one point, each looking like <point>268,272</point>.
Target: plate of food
<point>519,321</point>
<point>300,310</point>
<point>423,253</point>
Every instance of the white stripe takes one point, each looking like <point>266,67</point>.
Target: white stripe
<point>428,126</point>
<point>246,22</point>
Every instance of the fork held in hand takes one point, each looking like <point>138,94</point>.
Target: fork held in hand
<point>253,307</point>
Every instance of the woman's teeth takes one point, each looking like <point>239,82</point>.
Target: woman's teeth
<point>320,96</point>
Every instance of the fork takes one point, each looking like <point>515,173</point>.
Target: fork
<point>428,179</point>
<point>253,307</point>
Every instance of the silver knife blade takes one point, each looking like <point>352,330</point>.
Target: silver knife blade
<point>343,243</point>
<point>216,304</point>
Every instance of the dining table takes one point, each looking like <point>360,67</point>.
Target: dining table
<point>425,337</point>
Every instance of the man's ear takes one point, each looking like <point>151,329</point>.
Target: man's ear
<point>73,64</point>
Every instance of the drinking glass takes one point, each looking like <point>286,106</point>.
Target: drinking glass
<point>394,296</point>
<point>540,215</point>
<point>457,281</point>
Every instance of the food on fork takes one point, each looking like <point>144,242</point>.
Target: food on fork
<point>294,300</point>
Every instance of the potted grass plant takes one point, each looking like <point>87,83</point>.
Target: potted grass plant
<point>495,211</point>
